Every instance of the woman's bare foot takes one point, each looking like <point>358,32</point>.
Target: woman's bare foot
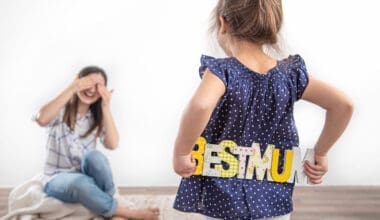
<point>146,214</point>
<point>118,218</point>
<point>150,213</point>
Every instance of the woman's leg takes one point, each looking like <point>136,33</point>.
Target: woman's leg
<point>79,188</point>
<point>96,165</point>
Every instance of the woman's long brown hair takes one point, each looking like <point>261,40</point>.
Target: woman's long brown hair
<point>71,108</point>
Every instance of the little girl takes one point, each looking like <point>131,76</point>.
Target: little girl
<point>75,172</point>
<point>249,98</point>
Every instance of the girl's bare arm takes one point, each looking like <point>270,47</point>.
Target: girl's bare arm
<point>198,112</point>
<point>339,110</point>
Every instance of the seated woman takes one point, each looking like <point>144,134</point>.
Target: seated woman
<point>75,172</point>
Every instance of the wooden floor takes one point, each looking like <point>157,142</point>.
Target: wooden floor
<point>310,203</point>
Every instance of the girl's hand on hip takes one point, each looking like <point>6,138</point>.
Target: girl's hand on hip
<point>316,171</point>
<point>105,94</point>
<point>184,165</point>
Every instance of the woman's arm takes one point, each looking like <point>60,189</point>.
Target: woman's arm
<point>339,109</point>
<point>194,120</point>
<point>50,110</point>
<point>111,139</point>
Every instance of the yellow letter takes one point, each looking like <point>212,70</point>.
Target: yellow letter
<point>198,154</point>
<point>233,163</point>
<point>284,176</point>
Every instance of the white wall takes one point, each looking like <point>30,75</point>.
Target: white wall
<point>151,51</point>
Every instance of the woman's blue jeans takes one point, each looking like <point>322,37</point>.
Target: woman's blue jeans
<point>93,187</point>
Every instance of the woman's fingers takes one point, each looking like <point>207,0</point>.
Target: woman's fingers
<point>84,83</point>
<point>84,86</point>
<point>104,93</point>
<point>101,90</point>
<point>98,78</point>
<point>88,79</point>
<point>87,85</point>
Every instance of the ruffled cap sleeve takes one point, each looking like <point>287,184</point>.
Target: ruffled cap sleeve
<point>299,75</point>
<point>214,65</point>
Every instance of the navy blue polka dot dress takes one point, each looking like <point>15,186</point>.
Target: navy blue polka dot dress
<point>255,108</point>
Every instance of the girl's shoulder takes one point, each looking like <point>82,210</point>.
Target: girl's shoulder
<point>213,62</point>
<point>225,67</point>
<point>293,61</point>
<point>294,69</point>
<point>221,67</point>
<point>207,58</point>
<point>291,70</point>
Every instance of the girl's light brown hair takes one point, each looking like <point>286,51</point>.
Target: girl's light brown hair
<point>71,108</point>
<point>256,21</point>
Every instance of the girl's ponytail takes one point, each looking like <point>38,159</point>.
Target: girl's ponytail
<point>257,21</point>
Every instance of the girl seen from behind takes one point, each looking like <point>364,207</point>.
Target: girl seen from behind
<point>248,97</point>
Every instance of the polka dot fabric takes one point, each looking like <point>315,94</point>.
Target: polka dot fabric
<point>256,108</point>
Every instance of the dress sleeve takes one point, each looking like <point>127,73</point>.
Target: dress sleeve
<point>214,66</point>
<point>299,76</point>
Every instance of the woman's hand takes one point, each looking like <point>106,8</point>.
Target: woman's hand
<point>315,172</point>
<point>86,82</point>
<point>105,94</point>
<point>111,138</point>
<point>184,165</point>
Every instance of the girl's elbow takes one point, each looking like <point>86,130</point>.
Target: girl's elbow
<point>201,106</point>
<point>348,106</point>
<point>344,108</point>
